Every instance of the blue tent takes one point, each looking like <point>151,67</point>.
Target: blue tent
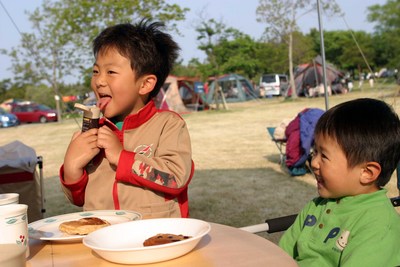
<point>235,88</point>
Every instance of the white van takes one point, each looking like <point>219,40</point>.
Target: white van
<point>273,84</point>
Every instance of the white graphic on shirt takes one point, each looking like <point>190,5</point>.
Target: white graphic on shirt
<point>144,150</point>
<point>341,242</point>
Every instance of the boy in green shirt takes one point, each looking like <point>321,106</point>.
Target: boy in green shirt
<point>352,223</point>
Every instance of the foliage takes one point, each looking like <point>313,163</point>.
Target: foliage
<point>303,50</point>
<point>346,49</point>
<point>190,70</point>
<point>10,90</point>
<point>238,56</point>
<point>387,29</point>
<point>273,57</point>
<point>212,33</point>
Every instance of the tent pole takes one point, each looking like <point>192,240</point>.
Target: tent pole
<point>321,32</point>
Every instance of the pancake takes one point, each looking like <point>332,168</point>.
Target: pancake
<point>82,226</point>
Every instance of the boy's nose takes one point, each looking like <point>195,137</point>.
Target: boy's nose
<point>314,163</point>
<point>99,81</point>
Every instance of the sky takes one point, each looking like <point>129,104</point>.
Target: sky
<point>239,14</point>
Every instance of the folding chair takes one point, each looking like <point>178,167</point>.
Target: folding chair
<point>280,144</point>
<point>274,225</point>
<point>21,171</point>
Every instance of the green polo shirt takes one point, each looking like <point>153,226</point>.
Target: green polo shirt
<point>361,230</point>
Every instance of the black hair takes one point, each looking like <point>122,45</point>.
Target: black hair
<point>367,130</point>
<point>149,50</point>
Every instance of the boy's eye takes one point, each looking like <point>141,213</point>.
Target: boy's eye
<point>323,156</point>
<point>95,71</point>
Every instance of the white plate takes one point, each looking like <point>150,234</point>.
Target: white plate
<point>47,229</point>
<point>123,243</point>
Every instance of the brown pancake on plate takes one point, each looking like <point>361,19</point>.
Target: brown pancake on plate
<point>82,226</point>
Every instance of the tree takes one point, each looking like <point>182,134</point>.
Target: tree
<point>342,50</point>
<point>281,18</point>
<point>238,56</point>
<point>212,33</point>
<point>60,43</point>
<point>387,32</point>
<point>273,57</point>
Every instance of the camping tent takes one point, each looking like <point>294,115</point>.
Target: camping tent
<point>235,88</point>
<point>178,94</point>
<point>169,97</point>
<point>311,74</point>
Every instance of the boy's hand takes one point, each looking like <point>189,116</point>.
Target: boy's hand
<point>111,144</point>
<point>81,150</point>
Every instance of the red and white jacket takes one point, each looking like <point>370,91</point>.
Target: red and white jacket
<point>153,171</point>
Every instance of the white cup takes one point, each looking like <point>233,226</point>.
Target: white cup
<point>14,225</point>
<point>9,198</point>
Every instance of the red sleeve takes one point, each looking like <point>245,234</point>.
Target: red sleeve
<point>76,190</point>
<point>125,174</point>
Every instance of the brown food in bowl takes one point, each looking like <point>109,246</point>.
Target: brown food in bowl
<point>161,239</point>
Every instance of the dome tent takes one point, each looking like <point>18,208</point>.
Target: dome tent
<point>235,88</point>
<point>312,74</point>
<point>180,94</point>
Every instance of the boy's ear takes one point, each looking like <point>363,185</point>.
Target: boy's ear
<point>370,172</point>
<point>147,84</point>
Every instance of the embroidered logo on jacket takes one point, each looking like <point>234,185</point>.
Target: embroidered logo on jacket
<point>144,150</point>
<point>147,172</point>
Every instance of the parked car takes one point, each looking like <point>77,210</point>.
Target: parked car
<point>34,113</point>
<point>7,119</point>
<point>273,84</point>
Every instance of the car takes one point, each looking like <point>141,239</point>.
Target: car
<point>7,119</point>
<point>273,84</point>
<point>32,112</point>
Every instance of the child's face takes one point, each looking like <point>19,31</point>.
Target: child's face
<point>334,178</point>
<point>115,85</point>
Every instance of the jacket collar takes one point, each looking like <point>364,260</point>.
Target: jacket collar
<point>134,120</point>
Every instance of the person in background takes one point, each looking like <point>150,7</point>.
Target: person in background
<point>352,222</point>
<point>140,158</point>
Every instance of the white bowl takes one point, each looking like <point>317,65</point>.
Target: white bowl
<point>123,243</point>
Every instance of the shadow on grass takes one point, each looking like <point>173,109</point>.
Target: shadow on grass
<point>242,197</point>
<point>234,197</point>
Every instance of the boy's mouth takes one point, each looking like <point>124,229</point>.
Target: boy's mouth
<point>320,182</point>
<point>103,101</point>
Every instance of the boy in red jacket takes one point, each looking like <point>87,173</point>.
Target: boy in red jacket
<point>140,157</point>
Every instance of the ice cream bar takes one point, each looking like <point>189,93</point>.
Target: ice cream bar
<point>91,116</point>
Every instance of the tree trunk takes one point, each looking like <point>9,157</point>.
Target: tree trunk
<point>291,74</point>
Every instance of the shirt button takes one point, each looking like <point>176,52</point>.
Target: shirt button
<point>321,225</point>
<point>328,211</point>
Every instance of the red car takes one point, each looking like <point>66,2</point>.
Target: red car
<point>34,113</point>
